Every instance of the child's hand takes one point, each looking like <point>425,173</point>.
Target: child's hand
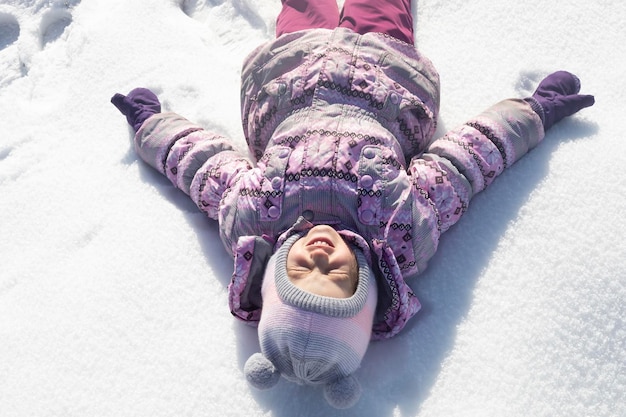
<point>557,97</point>
<point>137,106</point>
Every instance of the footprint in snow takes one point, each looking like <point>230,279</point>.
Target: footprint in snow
<point>223,11</point>
<point>53,25</point>
<point>25,31</point>
<point>9,30</point>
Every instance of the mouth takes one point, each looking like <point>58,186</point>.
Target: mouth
<point>320,242</point>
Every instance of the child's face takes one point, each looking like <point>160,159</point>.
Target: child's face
<point>322,263</point>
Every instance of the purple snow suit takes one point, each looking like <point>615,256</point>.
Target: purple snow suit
<point>340,128</point>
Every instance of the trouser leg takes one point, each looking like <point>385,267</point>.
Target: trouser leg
<point>307,14</point>
<point>392,17</point>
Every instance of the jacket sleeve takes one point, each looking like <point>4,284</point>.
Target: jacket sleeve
<point>202,164</point>
<point>467,159</point>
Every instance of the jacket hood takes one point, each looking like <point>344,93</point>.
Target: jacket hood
<point>396,303</point>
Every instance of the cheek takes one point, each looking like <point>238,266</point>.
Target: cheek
<point>293,251</point>
<point>296,256</point>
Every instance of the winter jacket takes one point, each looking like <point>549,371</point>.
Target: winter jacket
<point>340,128</point>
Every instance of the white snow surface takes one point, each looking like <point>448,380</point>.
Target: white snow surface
<point>113,285</point>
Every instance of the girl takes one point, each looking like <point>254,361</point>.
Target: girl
<point>346,195</point>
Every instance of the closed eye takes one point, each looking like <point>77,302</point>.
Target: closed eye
<point>299,272</point>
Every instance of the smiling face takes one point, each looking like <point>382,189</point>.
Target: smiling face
<point>322,263</point>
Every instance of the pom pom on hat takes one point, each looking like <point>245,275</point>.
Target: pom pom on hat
<point>260,372</point>
<point>343,393</point>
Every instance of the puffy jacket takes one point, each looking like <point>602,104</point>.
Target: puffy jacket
<point>339,127</point>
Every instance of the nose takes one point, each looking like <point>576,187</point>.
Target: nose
<point>320,259</point>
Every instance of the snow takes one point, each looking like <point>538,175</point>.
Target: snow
<point>113,286</point>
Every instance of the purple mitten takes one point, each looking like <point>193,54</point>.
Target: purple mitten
<point>557,97</point>
<point>137,106</point>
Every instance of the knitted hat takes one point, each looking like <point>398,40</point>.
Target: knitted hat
<point>312,339</point>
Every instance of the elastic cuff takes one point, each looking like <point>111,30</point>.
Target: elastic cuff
<point>537,108</point>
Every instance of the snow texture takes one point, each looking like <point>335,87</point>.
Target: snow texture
<point>113,285</point>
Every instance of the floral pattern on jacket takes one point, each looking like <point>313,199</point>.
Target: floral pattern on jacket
<point>340,129</point>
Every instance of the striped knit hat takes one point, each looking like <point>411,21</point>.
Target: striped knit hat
<point>312,339</point>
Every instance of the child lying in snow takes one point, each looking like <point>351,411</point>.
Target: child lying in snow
<point>347,195</point>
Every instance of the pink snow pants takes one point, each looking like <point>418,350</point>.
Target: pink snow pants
<point>392,17</point>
